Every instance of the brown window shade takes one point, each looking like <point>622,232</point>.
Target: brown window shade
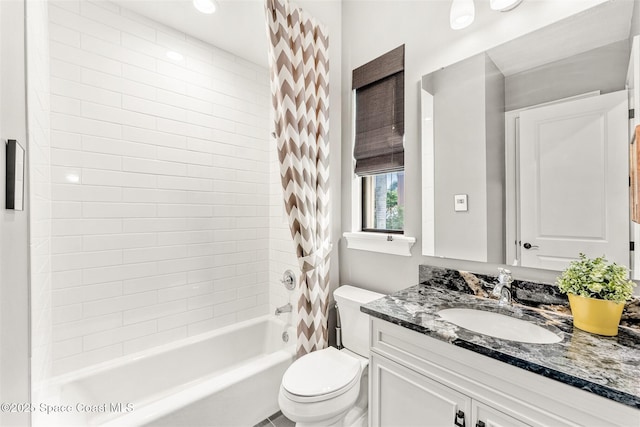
<point>379,139</point>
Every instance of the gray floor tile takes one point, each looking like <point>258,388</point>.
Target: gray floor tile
<point>282,421</point>
<point>264,423</point>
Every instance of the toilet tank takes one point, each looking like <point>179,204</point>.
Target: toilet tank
<point>354,323</point>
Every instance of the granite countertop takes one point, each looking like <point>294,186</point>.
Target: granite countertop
<point>606,366</point>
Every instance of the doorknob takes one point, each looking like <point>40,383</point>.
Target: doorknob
<point>530,246</point>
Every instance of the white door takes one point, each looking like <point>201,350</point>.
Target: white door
<point>574,181</point>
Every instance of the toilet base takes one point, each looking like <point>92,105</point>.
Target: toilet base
<point>357,416</point>
<point>354,418</point>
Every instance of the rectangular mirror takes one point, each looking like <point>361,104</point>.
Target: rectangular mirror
<point>15,176</point>
<point>536,133</point>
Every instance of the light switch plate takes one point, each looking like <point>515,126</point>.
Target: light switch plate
<point>460,202</point>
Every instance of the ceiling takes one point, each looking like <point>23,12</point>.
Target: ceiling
<point>604,24</point>
<point>238,26</point>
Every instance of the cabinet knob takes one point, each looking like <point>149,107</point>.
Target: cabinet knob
<point>480,424</point>
<point>459,416</point>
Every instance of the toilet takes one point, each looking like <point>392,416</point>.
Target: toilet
<point>329,387</point>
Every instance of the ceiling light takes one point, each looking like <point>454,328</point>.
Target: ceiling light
<point>205,6</point>
<point>174,56</point>
<point>463,12</point>
<point>504,5</point>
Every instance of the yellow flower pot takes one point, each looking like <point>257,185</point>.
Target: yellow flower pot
<point>597,316</point>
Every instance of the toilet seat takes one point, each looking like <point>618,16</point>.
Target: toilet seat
<point>321,375</point>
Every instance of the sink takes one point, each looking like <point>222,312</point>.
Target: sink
<point>499,325</point>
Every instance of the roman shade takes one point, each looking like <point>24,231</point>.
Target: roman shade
<point>379,140</point>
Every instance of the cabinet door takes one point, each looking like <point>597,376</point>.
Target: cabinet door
<point>401,397</point>
<point>486,416</point>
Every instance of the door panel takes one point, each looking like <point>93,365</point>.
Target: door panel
<point>574,181</point>
<point>491,417</point>
<point>401,397</point>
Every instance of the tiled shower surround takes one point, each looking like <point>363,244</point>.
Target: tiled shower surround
<point>161,185</point>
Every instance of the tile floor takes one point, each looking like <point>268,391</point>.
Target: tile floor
<point>276,420</point>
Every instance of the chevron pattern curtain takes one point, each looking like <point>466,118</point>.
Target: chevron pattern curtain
<point>299,69</point>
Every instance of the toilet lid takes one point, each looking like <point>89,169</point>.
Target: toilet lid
<point>320,373</point>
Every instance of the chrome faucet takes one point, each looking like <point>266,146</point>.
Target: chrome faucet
<point>503,289</point>
<point>284,309</point>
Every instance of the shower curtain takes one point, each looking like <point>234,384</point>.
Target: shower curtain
<point>299,69</point>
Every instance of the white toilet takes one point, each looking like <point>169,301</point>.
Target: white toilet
<point>329,387</point>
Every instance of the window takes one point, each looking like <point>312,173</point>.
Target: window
<point>383,202</point>
<point>379,141</point>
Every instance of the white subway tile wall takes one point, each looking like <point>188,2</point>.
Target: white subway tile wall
<point>40,196</point>
<point>282,254</point>
<point>161,185</point>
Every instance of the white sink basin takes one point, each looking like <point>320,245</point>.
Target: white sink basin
<point>498,325</point>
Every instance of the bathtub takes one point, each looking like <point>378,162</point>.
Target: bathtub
<point>226,377</point>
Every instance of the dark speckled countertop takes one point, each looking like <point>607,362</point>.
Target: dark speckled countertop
<point>606,366</point>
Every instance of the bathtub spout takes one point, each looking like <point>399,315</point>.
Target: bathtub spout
<point>284,309</point>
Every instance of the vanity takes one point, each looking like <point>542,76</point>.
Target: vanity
<point>532,136</point>
<point>425,370</point>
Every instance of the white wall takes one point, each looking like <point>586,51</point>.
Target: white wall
<point>604,69</point>
<point>166,233</point>
<point>282,254</point>
<point>14,281</point>
<point>38,116</point>
<point>494,159</point>
<point>635,20</point>
<point>466,132</point>
<point>375,27</point>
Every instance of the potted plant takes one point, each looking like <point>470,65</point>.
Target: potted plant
<point>597,291</point>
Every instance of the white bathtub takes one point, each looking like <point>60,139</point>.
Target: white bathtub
<point>227,377</point>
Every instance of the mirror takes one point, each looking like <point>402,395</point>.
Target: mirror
<point>533,136</point>
<point>14,176</point>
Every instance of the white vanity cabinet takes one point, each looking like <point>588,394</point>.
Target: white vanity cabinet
<point>402,397</point>
<point>416,380</point>
<point>486,416</point>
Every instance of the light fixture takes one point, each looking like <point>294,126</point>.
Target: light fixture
<point>174,56</point>
<point>504,5</point>
<point>462,14</point>
<point>205,6</point>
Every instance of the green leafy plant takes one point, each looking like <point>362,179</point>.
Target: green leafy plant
<point>596,278</point>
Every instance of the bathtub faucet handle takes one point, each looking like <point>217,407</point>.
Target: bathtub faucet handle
<point>289,280</point>
<point>284,309</point>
